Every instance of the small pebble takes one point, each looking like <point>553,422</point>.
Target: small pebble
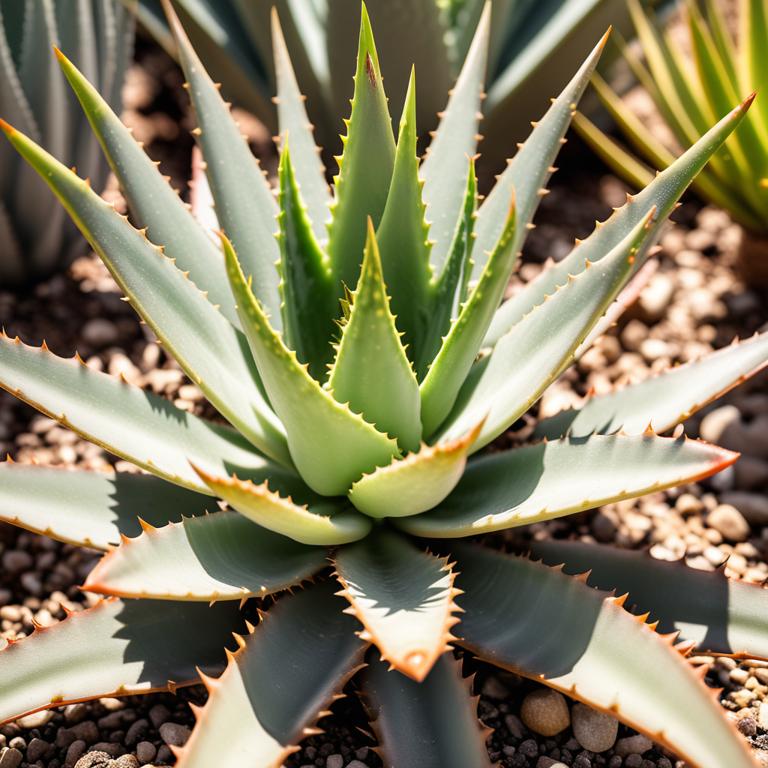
<point>545,712</point>
<point>145,752</point>
<point>174,734</point>
<point>10,757</point>
<point>594,730</point>
<point>334,761</point>
<point>633,745</point>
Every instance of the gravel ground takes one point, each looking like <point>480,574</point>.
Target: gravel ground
<point>694,303</point>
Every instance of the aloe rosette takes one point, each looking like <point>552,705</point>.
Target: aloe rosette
<point>36,238</point>
<point>361,360</point>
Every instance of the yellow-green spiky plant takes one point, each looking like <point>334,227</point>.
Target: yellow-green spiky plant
<point>688,91</point>
<point>358,399</point>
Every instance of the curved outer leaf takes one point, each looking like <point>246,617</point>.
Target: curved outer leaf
<point>154,203</point>
<point>365,168</point>
<point>294,123</point>
<point>371,372</point>
<point>277,685</point>
<point>114,649</point>
<point>663,192</point>
<point>544,625</point>
<point>416,483</point>
<point>449,369</point>
<point>138,426</point>
<point>331,445</point>
<point>207,347</point>
<point>403,234</point>
<point>432,724</point>
<point>667,398</point>
<point>221,556</point>
<point>91,509</point>
<point>527,359</point>
<point>529,171</point>
<point>320,522</point>
<point>245,205</point>
<point>402,596</point>
<point>309,298</point>
<point>753,39</point>
<point>444,169</point>
<point>720,615</point>
<point>548,480</point>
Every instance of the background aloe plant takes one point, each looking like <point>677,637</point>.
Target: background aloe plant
<point>355,422</point>
<point>689,91</point>
<point>36,238</point>
<point>533,45</point>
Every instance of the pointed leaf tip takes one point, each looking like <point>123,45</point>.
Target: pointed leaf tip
<point>7,128</point>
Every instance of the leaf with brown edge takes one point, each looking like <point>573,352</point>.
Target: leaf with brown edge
<point>721,615</point>
<point>220,556</point>
<point>402,596</point>
<point>416,483</point>
<point>115,648</point>
<point>321,521</point>
<point>431,724</point>
<point>538,622</point>
<point>277,685</point>
<point>666,399</point>
<point>551,479</point>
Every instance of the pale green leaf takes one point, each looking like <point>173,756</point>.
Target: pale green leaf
<point>244,202</point>
<point>219,556</point>
<point>294,125</point>
<point>371,371</point>
<point>278,684</point>
<point>115,648</point>
<point>330,445</point>
<point>89,508</point>
<point>308,519</point>
<point>402,596</point>
<point>552,479</point>
<point>365,168</point>
<point>555,629</point>
<point>432,724</point>
<point>444,169</point>
<point>403,234</point>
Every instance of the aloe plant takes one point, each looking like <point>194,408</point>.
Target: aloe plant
<point>533,45</point>
<point>358,397</point>
<point>36,238</point>
<point>688,91</point>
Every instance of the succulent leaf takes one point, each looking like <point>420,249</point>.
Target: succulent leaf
<point>663,192</point>
<point>551,479</point>
<point>535,351</point>
<point>366,165</point>
<point>91,509</point>
<point>277,684</point>
<point>244,202</point>
<point>203,342</point>
<point>460,347</point>
<point>219,556</point>
<point>294,124</point>
<point>432,724</point>
<point>444,168</point>
<point>582,642</point>
<point>416,483</point>
<point>719,614</point>
<point>154,203</point>
<point>138,426</point>
<point>449,289</point>
<point>371,372</point>
<point>309,298</point>
<point>317,521</point>
<point>527,175</point>
<point>402,596</point>
<point>664,400</point>
<point>330,445</point>
<point>115,648</point>
<point>403,234</point>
